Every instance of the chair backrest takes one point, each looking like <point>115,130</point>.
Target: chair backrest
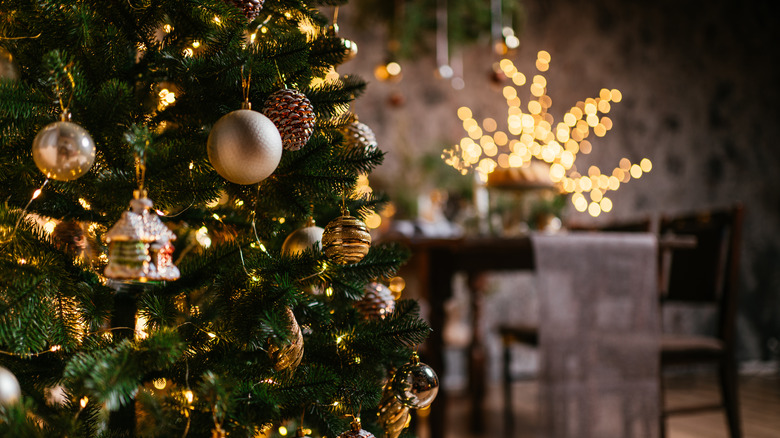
<point>708,270</point>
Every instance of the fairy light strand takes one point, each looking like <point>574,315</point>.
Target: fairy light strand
<point>533,135</point>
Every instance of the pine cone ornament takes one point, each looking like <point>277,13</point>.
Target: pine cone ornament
<point>393,416</point>
<point>346,239</point>
<point>358,135</point>
<point>357,431</point>
<point>293,115</point>
<point>377,302</point>
<point>251,8</point>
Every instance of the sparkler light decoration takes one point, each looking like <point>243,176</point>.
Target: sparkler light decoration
<point>534,135</point>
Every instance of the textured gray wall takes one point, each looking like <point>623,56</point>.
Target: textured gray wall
<point>701,100</point>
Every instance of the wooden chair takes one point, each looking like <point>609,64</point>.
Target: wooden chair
<point>528,334</point>
<point>705,274</point>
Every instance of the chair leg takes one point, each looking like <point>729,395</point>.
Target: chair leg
<point>661,407</point>
<point>729,392</point>
<point>507,388</point>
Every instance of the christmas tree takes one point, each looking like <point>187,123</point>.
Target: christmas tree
<point>163,166</point>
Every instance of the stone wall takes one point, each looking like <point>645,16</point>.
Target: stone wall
<point>700,99</point>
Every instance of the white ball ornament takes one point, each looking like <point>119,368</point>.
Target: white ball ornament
<point>10,392</point>
<point>244,146</point>
<point>63,150</point>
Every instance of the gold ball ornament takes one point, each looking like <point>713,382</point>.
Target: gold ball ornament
<point>287,355</point>
<point>415,384</point>
<point>346,239</point>
<point>377,302</point>
<point>307,237</point>
<point>244,146</point>
<point>351,48</point>
<point>63,150</point>
<point>357,431</point>
<point>10,391</point>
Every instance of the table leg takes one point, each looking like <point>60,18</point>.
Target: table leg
<point>439,288</point>
<point>477,282</point>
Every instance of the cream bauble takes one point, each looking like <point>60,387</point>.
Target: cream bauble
<point>244,147</point>
<point>63,150</point>
<point>10,392</point>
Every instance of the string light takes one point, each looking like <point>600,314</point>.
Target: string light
<point>536,137</point>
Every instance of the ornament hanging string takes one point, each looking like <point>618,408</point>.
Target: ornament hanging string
<point>192,202</point>
<point>35,195</point>
<point>65,108</point>
<point>254,218</point>
<point>187,383</point>
<point>140,168</point>
<point>279,73</point>
<point>21,37</point>
<point>245,84</point>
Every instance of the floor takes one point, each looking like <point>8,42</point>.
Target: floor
<point>759,398</point>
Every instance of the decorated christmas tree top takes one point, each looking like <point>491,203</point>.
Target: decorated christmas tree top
<point>210,306</point>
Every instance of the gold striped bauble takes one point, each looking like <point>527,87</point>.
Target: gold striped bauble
<point>287,355</point>
<point>346,239</point>
<point>392,415</point>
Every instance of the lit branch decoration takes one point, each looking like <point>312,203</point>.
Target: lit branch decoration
<point>533,135</point>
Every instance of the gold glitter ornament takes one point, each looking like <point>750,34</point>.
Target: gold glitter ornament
<point>289,354</point>
<point>346,239</point>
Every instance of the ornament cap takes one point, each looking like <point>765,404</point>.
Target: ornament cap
<point>65,116</point>
<point>247,105</point>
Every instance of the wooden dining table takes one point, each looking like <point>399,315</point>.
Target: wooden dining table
<point>435,261</point>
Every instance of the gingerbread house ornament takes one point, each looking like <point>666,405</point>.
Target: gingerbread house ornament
<point>139,245</point>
